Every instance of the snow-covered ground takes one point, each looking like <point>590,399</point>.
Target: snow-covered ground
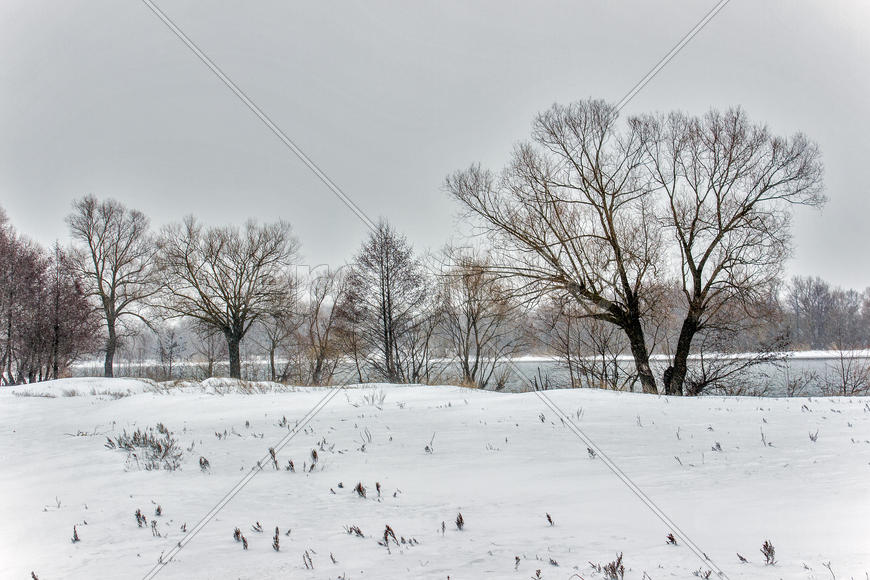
<point>504,461</point>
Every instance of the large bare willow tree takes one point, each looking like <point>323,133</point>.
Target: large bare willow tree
<point>228,278</point>
<point>571,215</point>
<point>608,213</point>
<point>728,188</point>
<point>114,256</point>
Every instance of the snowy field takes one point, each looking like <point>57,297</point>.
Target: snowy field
<point>731,472</point>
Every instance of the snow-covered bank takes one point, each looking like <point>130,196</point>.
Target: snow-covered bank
<point>502,460</point>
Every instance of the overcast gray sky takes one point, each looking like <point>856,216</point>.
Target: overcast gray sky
<point>388,97</point>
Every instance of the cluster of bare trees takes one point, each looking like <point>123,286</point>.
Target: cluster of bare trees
<point>227,279</point>
<point>822,317</point>
<point>604,238</point>
<point>114,257</point>
<point>608,215</point>
<point>204,292</point>
<point>405,320</point>
<point>46,321</point>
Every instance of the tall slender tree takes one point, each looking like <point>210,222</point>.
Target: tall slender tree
<point>72,325</point>
<point>114,255</point>
<point>479,319</point>
<point>320,328</point>
<point>384,305</point>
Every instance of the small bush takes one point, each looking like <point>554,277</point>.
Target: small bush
<point>769,553</point>
<point>613,570</point>
<point>388,535</point>
<point>374,398</point>
<point>151,449</point>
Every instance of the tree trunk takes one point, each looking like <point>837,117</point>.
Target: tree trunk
<point>318,370</point>
<point>55,352</point>
<point>272,368</point>
<point>9,340</point>
<point>111,346</point>
<point>55,339</point>
<point>681,356</point>
<point>634,331</point>
<point>235,358</point>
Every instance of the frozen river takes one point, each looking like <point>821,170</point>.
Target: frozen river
<point>814,372</point>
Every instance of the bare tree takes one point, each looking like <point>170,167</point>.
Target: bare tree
<point>385,301</point>
<point>849,373</point>
<point>822,317</point>
<point>478,319</point>
<point>170,347</point>
<point>226,277</point>
<point>810,304</point>
<point>416,345</point>
<point>320,328</point>
<point>572,215</point>
<point>72,325</point>
<point>589,349</point>
<point>277,328</point>
<point>21,267</point>
<point>847,324</point>
<point>46,321</point>
<point>114,256</point>
<point>738,348</point>
<point>208,345</point>
<point>729,187</point>
<point>846,375</point>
